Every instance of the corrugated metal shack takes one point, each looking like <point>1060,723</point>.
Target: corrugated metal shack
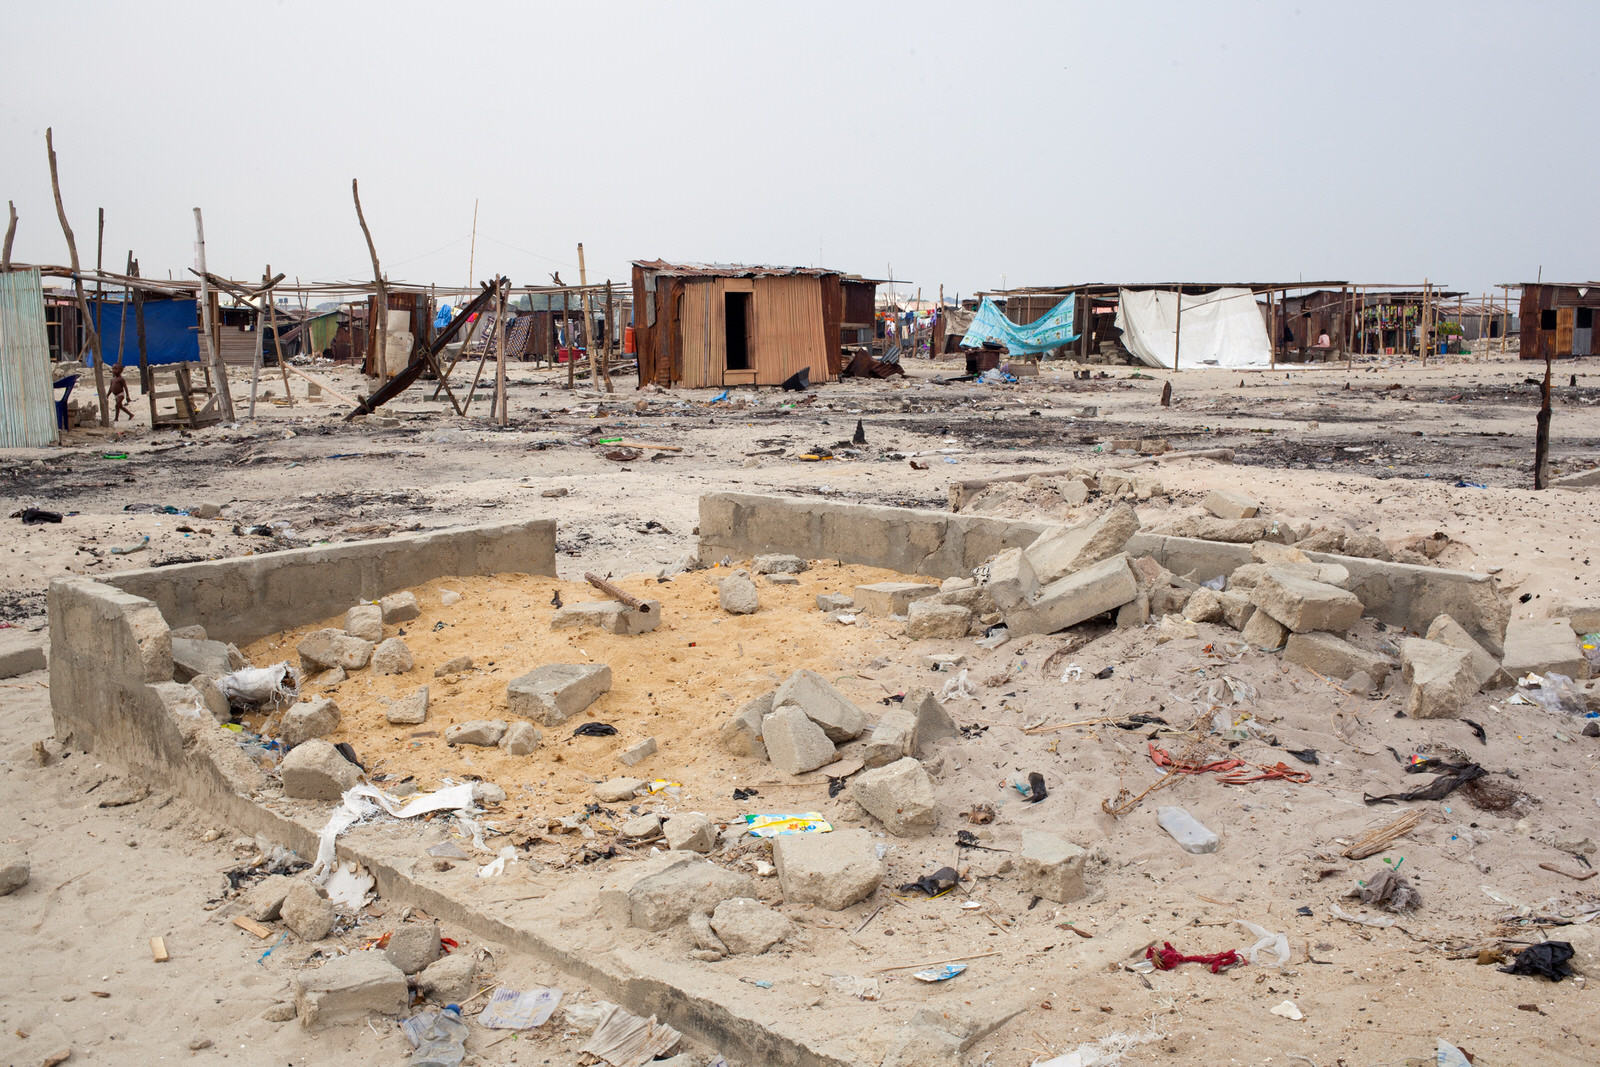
<point>713,325</point>
<point>1558,319</point>
<point>27,400</point>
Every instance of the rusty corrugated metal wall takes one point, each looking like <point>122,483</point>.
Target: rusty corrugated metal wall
<point>789,331</point>
<point>27,396</point>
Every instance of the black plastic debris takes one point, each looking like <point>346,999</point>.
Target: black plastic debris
<point>836,786</point>
<point>939,882</point>
<point>1548,958</point>
<point>595,729</point>
<point>1305,755</point>
<point>860,437</point>
<point>1456,775</point>
<point>1303,911</point>
<point>1036,789</point>
<point>1133,722</point>
<point>1104,672</point>
<point>799,381</point>
<point>745,794</point>
<point>36,516</point>
<point>1477,731</point>
<point>349,753</point>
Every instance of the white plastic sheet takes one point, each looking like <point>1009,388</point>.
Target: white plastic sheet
<point>1222,328</point>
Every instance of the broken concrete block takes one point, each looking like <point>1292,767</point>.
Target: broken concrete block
<point>1205,605</point>
<point>1095,590</point>
<point>831,871</point>
<point>1303,605</point>
<point>1582,613</point>
<point>741,735</point>
<point>794,743</point>
<point>309,718</point>
<point>1052,867</point>
<point>1135,612</point>
<point>520,739</point>
<point>485,733</point>
<point>749,927</point>
<point>1335,658</point>
<point>1264,632</point>
<point>824,705</point>
<point>1226,505</point>
<point>323,650</point>
<point>1233,531</point>
<point>1058,553</point>
<point>412,946</point>
<point>449,980</point>
<point>976,599</point>
<point>737,594</point>
<point>1236,609</point>
<point>1447,631</point>
<point>317,771</point>
<point>213,698</point>
<point>617,790</point>
<point>263,901</point>
<point>1011,580</point>
<point>782,579</point>
<point>937,622</point>
<point>409,711</point>
<point>641,827</point>
<point>327,679</point>
<point>453,665</point>
<point>933,720</point>
<point>900,795</point>
<point>392,657</point>
<point>668,894</point>
<point>1442,678</point>
<point>1273,552</point>
<point>638,753</point>
<point>1367,546</point>
<point>1543,646</point>
<point>956,584</point>
<point>552,694</point>
<point>834,602</point>
<point>190,657</point>
<point>347,988</point>
<point>609,615</point>
<point>399,607</point>
<point>365,621</point>
<point>20,652</point>
<point>307,912</point>
<point>487,794</point>
<point>890,598</point>
<point>891,739</point>
<point>14,874</point>
<point>690,832</point>
<point>778,564</point>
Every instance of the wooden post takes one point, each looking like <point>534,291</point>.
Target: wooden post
<point>611,326</point>
<point>501,403</point>
<point>381,338</point>
<point>99,314</point>
<point>223,392</point>
<point>1272,330</point>
<point>77,279</point>
<point>1541,436</point>
<point>11,234</point>
<point>138,328</point>
<point>122,316</point>
<point>588,325</point>
<point>1177,330</point>
<point>1344,325</point>
<point>566,336</point>
<point>277,342</point>
<point>255,360</point>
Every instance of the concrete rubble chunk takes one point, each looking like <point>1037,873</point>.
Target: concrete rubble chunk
<point>749,927</point>
<point>191,657</point>
<point>1367,546</point>
<point>1582,613</point>
<point>453,665</point>
<point>307,912</point>
<point>323,650</point>
<point>690,832</point>
<point>741,735</point>
<point>900,795</point>
<point>794,743</point>
<point>552,694</point>
<point>831,871</point>
<point>1303,605</point>
<point>348,988</point>
<point>685,883</point>
<point>1264,632</point>
<point>487,794</point>
<point>412,946</point>
<point>409,710</point>
<point>20,652</point>
<point>1447,631</point>
<point>399,607</point>
<point>1332,657</point>
<point>309,718</point>
<point>1205,605</point>
<point>520,739</point>
<point>316,771</point>
<point>328,678</point>
<point>1134,613</point>
<point>835,602</point>
<point>1175,628</point>
<point>1236,608</point>
<point>937,622</point>
<point>263,901</point>
<point>1011,580</point>
<point>1442,678</point>
<point>1052,867</point>
<point>1273,552</point>
<point>14,874</point>
<point>1543,646</point>
<point>891,739</point>
<point>957,584</point>
<point>1227,505</point>
<point>212,697</point>
<point>824,705</point>
<point>641,827</point>
<point>976,599</point>
<point>779,564</point>
<point>1103,587</point>
<point>737,594</point>
<point>890,598</point>
<point>933,720</point>
<point>1058,553</point>
<point>450,979</point>
<point>485,733</point>
<point>1233,531</point>
<point>617,790</point>
<point>365,621</point>
<point>392,657</point>
<point>636,754</point>
<point>609,615</point>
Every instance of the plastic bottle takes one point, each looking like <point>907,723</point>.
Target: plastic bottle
<point>443,1042</point>
<point>1186,830</point>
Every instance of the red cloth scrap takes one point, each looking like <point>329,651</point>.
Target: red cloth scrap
<point>1168,957</point>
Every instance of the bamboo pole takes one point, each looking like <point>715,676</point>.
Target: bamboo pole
<point>145,382</point>
<point>93,335</point>
<point>99,314</point>
<point>588,326</point>
<point>255,359</point>
<point>381,338</point>
<point>277,342</point>
<point>11,234</point>
<point>611,326</point>
<point>223,392</point>
<point>500,403</point>
<point>122,319</point>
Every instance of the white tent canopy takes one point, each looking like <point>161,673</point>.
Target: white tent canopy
<point>1221,328</point>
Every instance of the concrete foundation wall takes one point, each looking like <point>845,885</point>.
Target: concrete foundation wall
<point>933,543</point>
<point>248,597</point>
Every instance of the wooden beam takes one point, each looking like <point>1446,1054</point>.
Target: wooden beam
<point>223,392</point>
<point>588,327</point>
<point>11,234</point>
<point>92,334</point>
<point>381,338</point>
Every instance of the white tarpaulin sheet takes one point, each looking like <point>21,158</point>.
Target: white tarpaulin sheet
<point>1223,328</point>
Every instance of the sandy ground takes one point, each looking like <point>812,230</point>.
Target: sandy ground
<point>1381,448</point>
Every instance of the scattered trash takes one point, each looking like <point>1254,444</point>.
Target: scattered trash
<point>745,794</point>
<point>509,1009</point>
<point>1036,789</point>
<point>255,687</point>
<point>852,986</point>
<point>1073,673</point>
<point>497,865</point>
<point>809,822</point>
<point>127,550</point>
<point>1104,672</point>
<point>1167,957</point>
<point>1375,841</point>
<point>958,686</point>
<point>1360,920</point>
<point>994,637</point>
<point>1305,755</point>
<point>1477,731</point>
<point>595,729</point>
<point>1447,1055</point>
<point>1388,889</point>
<point>1266,941</point>
<point>1548,958</point>
<point>980,814</point>
<point>439,1037</point>
<point>36,516</point>
<point>1455,776</point>
<point>1227,768</point>
<point>1288,1010</point>
<point>1553,692</point>
<point>1186,830</point>
<point>940,974</point>
<point>625,1040</point>
<point>936,884</point>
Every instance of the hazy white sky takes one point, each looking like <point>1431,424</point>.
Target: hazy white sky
<point>967,144</point>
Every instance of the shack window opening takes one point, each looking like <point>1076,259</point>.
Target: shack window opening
<point>1584,318</point>
<point>736,323</point>
<point>1547,319</point>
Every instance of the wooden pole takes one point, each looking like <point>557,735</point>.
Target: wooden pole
<point>255,360</point>
<point>1541,436</point>
<point>500,363</point>
<point>1272,328</point>
<point>122,316</point>
<point>99,313</point>
<point>77,280</point>
<point>472,253</point>
<point>138,328</point>
<point>381,338</point>
<point>588,325</point>
<point>224,394</point>
<point>566,336</point>
<point>1177,330</point>
<point>11,234</point>
<point>277,342</point>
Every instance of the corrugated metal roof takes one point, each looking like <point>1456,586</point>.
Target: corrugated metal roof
<point>728,270</point>
<point>27,399</point>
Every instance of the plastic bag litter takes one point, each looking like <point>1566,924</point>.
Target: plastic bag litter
<point>498,864</point>
<point>1360,920</point>
<point>586,1016</point>
<point>1217,583</point>
<point>852,986</point>
<point>995,638</point>
<point>256,686</point>
<point>510,1009</point>
<point>1265,942</point>
<point>1447,1055</point>
<point>1554,692</point>
<point>959,686</point>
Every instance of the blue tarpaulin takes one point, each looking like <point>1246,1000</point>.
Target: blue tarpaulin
<point>1050,331</point>
<point>171,333</point>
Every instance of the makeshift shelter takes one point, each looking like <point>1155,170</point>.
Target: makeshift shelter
<point>1222,328</point>
<point>1050,331</point>
<point>1558,319</point>
<point>27,400</point>
<point>713,325</point>
<point>171,332</point>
